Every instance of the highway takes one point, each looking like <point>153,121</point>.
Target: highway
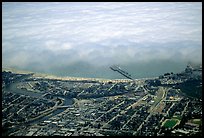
<point>153,107</point>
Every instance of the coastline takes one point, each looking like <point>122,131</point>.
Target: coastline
<point>55,77</point>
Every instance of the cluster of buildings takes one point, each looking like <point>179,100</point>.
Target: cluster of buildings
<point>53,107</point>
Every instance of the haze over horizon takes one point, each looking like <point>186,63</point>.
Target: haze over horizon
<point>84,39</point>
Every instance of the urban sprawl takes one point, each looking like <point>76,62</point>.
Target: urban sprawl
<point>167,105</point>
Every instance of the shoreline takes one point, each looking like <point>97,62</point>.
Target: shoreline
<point>50,76</point>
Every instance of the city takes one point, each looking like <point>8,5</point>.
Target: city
<point>167,105</point>
<point>102,69</point>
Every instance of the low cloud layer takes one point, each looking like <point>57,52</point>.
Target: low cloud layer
<point>84,39</point>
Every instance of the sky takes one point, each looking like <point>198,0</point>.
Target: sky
<point>84,39</point>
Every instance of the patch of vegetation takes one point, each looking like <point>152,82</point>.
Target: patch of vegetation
<point>170,123</point>
<point>192,88</point>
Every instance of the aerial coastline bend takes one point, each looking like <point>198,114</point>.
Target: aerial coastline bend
<point>56,77</point>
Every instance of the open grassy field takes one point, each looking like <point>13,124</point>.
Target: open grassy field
<point>170,123</point>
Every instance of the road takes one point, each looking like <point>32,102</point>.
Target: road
<point>127,108</point>
<point>152,109</point>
